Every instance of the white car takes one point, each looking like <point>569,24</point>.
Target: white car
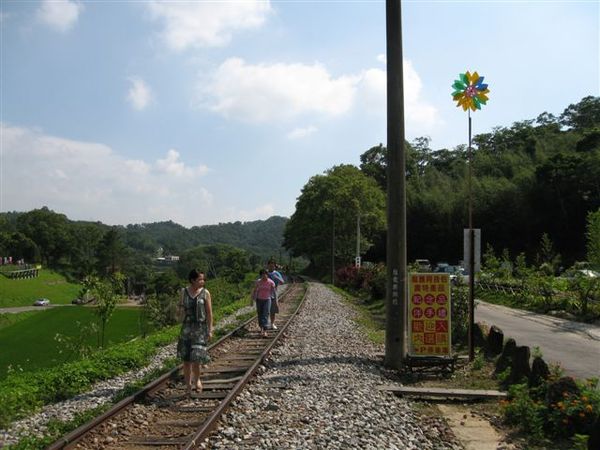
<point>41,302</point>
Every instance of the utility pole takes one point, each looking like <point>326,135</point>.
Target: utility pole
<point>395,326</point>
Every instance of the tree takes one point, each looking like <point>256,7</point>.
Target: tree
<point>112,252</point>
<point>547,256</point>
<point>105,294</point>
<point>49,230</point>
<point>216,260</point>
<point>332,202</point>
<point>86,238</point>
<point>593,238</point>
<point>373,163</point>
<point>19,246</point>
<point>166,283</point>
<point>585,114</point>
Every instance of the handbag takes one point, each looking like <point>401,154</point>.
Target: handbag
<point>200,306</point>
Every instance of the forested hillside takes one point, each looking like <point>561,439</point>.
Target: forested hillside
<point>80,248</point>
<point>537,176</point>
<point>261,237</point>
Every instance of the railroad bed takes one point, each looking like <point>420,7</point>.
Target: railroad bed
<point>317,388</point>
<point>162,415</point>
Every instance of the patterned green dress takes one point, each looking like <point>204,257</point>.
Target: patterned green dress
<point>193,337</point>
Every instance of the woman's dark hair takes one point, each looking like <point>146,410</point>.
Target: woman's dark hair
<point>194,273</point>
<point>262,272</point>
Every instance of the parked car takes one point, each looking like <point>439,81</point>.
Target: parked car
<point>585,273</point>
<point>41,302</point>
<point>423,264</point>
<point>459,276</point>
<point>457,273</point>
<point>82,301</point>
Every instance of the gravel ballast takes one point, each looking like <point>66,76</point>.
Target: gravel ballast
<point>318,390</point>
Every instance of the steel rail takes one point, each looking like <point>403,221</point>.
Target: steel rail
<point>211,421</point>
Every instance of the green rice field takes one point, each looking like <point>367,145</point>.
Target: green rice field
<point>30,344</point>
<point>48,284</point>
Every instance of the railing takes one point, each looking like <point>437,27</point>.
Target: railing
<point>20,273</point>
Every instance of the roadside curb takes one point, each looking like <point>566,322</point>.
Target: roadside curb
<point>591,331</point>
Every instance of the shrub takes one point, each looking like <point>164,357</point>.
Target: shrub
<point>369,280</point>
<point>575,412</point>
<point>544,411</point>
<point>460,313</point>
<point>524,411</point>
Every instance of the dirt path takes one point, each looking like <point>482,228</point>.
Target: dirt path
<point>474,432</point>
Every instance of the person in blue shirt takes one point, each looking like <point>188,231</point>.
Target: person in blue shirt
<point>277,279</point>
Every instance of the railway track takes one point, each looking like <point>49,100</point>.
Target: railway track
<point>162,416</point>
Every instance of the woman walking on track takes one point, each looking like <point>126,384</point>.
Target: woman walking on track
<point>277,279</point>
<point>264,289</point>
<point>195,307</point>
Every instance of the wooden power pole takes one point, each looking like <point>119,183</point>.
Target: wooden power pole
<point>395,327</point>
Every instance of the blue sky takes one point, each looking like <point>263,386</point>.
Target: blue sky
<point>206,112</point>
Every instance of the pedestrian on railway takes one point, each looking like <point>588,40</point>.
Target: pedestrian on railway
<point>264,290</point>
<point>195,310</point>
<point>277,279</point>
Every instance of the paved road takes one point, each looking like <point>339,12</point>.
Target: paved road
<point>574,345</point>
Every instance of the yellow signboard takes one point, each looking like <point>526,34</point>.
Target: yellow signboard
<point>429,314</point>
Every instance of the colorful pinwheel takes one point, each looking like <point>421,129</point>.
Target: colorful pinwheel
<point>469,91</point>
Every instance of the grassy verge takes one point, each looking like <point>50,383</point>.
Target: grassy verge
<point>48,284</point>
<point>57,428</point>
<point>29,343</point>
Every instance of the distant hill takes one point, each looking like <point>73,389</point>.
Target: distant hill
<point>261,237</point>
<point>63,241</point>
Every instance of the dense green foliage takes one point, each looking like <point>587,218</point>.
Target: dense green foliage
<point>546,417</point>
<point>327,212</point>
<point>261,237</point>
<point>79,249</point>
<point>535,287</point>
<point>535,177</point>
<point>218,261</point>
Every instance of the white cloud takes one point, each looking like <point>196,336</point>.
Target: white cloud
<point>139,94</point>
<point>173,166</point>
<point>59,14</point>
<point>86,180</point>
<point>264,93</point>
<point>420,116</point>
<point>207,24</point>
<point>260,93</point>
<point>299,133</point>
<point>382,58</point>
